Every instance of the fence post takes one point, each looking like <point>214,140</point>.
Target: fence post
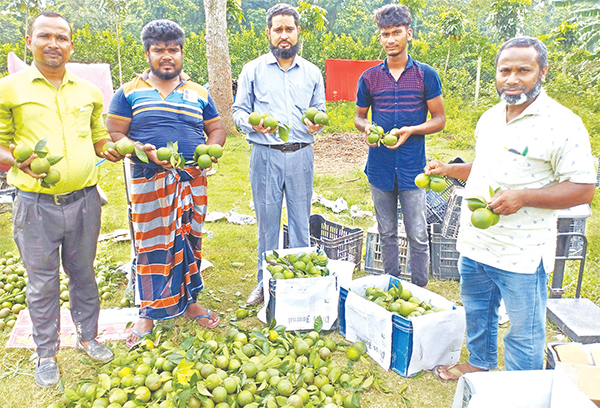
<point>477,80</point>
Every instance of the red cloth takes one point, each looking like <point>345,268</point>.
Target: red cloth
<point>342,78</point>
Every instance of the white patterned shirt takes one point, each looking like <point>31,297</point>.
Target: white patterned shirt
<point>545,145</point>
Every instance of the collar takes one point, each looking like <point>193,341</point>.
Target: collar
<point>409,64</point>
<point>537,107</point>
<point>34,73</point>
<point>182,76</point>
<point>272,60</point>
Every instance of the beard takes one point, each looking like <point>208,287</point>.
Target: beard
<point>284,53</point>
<point>523,97</point>
<point>52,61</point>
<point>165,76</point>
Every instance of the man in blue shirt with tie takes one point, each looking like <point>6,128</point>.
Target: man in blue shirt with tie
<point>400,91</point>
<point>284,85</point>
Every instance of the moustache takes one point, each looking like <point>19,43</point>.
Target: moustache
<point>513,88</point>
<point>52,51</point>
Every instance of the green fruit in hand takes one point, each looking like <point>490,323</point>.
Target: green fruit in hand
<point>437,184</point>
<point>373,138</point>
<point>204,161</point>
<point>321,118</point>
<point>310,113</point>
<point>22,153</point>
<point>270,122</point>
<point>390,140</point>
<point>215,151</point>
<point>40,165</point>
<point>52,176</point>
<point>108,145</point>
<point>422,180</point>
<point>124,146</point>
<point>254,118</point>
<point>164,153</point>
<point>496,218</point>
<point>476,202</point>
<point>200,150</point>
<point>482,218</point>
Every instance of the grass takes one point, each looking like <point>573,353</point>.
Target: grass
<point>231,248</point>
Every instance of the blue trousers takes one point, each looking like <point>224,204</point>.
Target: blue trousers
<point>525,295</point>
<point>412,203</point>
<point>273,175</point>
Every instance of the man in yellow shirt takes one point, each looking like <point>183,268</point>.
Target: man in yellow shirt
<point>60,222</point>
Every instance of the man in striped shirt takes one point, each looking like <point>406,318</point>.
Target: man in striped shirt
<point>400,91</point>
<point>168,204</point>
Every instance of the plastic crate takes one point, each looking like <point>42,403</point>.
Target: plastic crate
<point>402,333</point>
<point>444,256</point>
<point>373,261</point>
<point>576,243</point>
<point>451,221</point>
<point>337,241</point>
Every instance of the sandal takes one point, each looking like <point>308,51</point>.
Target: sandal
<point>207,317</point>
<point>130,343</point>
<point>453,370</point>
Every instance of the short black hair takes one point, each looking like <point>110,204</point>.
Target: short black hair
<point>526,42</point>
<point>50,14</point>
<point>392,15</point>
<point>158,31</point>
<point>282,9</point>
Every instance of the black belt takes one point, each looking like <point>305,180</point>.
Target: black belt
<point>288,147</point>
<point>58,199</point>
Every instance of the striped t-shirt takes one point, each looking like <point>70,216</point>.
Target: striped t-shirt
<point>395,104</point>
<point>178,117</point>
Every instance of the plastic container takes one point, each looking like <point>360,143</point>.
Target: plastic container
<point>373,261</point>
<point>451,221</point>
<point>576,243</point>
<point>337,241</point>
<point>444,256</point>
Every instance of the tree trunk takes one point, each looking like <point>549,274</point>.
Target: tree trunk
<point>447,59</point>
<point>218,62</point>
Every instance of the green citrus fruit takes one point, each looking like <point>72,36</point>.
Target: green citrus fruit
<point>373,138</point>
<point>390,140</point>
<point>250,369</point>
<point>324,353</point>
<point>270,122</point>
<point>219,394</point>
<point>22,153</point>
<point>496,218</point>
<point>310,113</point>
<point>353,353</point>
<point>244,398</point>
<point>405,295</point>
<point>204,161</point>
<point>321,118</point>
<point>437,184</point>
<point>164,153</point>
<point>143,394</point>
<point>482,218</point>
<point>213,381</point>
<point>296,401</point>
<point>254,118</point>
<point>108,145</point>
<point>284,387</point>
<point>40,165</point>
<point>476,202</point>
<point>230,384</point>
<point>52,177</point>
<point>124,146</point>
<point>328,390</point>
<point>360,346</point>
<point>117,396</point>
<point>200,150</point>
<point>215,151</point>
<point>407,308</point>
<point>422,180</point>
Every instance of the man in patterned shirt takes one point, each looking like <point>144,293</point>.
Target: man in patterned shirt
<point>537,153</point>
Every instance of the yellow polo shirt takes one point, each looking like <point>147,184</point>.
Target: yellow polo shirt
<point>70,118</point>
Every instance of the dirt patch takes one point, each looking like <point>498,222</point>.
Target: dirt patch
<point>338,153</point>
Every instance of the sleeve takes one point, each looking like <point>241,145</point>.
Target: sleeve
<point>97,125</point>
<point>318,97</point>
<point>244,100</point>
<point>574,162</point>
<point>364,99</point>
<point>432,83</point>
<point>120,107</point>
<point>210,110</point>
<point>7,128</point>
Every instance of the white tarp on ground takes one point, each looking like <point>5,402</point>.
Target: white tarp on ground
<point>98,74</point>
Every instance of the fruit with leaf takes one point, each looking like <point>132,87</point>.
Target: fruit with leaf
<point>482,215</point>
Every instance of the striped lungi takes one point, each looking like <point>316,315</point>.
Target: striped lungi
<point>168,210</point>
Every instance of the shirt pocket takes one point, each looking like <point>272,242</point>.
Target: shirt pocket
<point>302,97</point>
<point>83,120</point>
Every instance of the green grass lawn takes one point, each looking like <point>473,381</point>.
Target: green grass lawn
<point>232,250</point>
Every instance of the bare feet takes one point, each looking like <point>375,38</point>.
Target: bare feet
<point>454,372</point>
<point>202,315</point>
<point>139,330</point>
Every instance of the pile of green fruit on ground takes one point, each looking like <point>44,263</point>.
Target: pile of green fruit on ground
<point>303,265</point>
<point>267,368</point>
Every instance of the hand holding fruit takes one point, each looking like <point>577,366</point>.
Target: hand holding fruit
<point>314,120</point>
<point>483,216</point>
<point>506,202</point>
<point>431,182</point>
<point>263,123</point>
<point>23,160</point>
<point>206,155</point>
<point>36,162</point>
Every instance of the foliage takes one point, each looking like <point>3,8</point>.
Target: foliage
<point>312,17</point>
<point>587,15</point>
<point>507,17</point>
<point>341,116</point>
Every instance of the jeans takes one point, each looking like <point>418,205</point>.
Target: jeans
<point>412,203</point>
<point>525,296</point>
<point>274,174</point>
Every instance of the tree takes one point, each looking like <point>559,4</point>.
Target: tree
<point>453,28</point>
<point>587,17</point>
<point>507,17</point>
<point>217,60</point>
<point>28,8</point>
<point>116,8</point>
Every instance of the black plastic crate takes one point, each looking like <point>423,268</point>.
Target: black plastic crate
<point>444,256</point>
<point>373,261</point>
<point>337,241</point>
